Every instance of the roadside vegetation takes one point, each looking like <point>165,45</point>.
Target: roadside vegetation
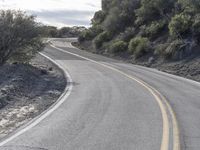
<point>29,83</point>
<point>167,29</point>
<point>20,38</point>
<point>64,32</point>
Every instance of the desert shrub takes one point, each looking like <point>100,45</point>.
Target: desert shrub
<point>106,5</point>
<point>85,35</point>
<point>154,28</point>
<point>118,46</point>
<point>90,33</point>
<point>190,4</point>
<point>160,49</point>
<point>152,10</point>
<point>127,34</point>
<point>101,38</point>
<point>139,46</point>
<point>99,17</point>
<point>196,27</point>
<point>174,50</point>
<point>180,24</point>
<point>113,22</point>
<point>52,31</point>
<point>20,38</point>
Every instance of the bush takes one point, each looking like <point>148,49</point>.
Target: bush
<point>113,22</point>
<point>118,46</point>
<point>127,34</point>
<point>86,35</point>
<point>154,28</point>
<point>160,49</point>
<point>139,46</point>
<point>90,33</point>
<point>20,36</point>
<point>174,50</point>
<point>196,27</point>
<point>152,10</point>
<point>180,24</point>
<point>99,17</point>
<point>101,38</point>
<point>190,4</point>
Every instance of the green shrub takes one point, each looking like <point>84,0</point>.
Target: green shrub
<point>90,33</point>
<point>86,35</point>
<point>118,46</point>
<point>113,22</point>
<point>154,28</point>
<point>101,38</point>
<point>196,27</point>
<point>160,49</point>
<point>20,38</point>
<point>99,17</point>
<point>127,34</point>
<point>139,46</point>
<point>190,4</point>
<point>180,24</point>
<point>152,9</point>
<point>174,50</point>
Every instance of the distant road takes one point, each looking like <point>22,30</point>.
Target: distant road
<point>114,106</point>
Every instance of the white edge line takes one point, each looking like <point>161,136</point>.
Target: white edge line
<point>149,87</point>
<point>48,112</point>
<point>170,75</point>
<point>164,141</point>
<point>161,72</point>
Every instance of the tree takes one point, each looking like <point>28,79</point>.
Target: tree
<point>20,36</point>
<point>190,4</point>
<point>98,18</point>
<point>118,46</point>
<point>139,46</point>
<point>151,10</point>
<point>64,32</point>
<point>180,25</point>
<point>113,22</point>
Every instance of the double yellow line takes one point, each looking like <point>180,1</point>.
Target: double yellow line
<point>160,99</point>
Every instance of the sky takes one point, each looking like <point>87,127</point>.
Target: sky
<point>57,12</point>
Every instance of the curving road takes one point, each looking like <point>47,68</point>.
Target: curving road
<point>114,106</point>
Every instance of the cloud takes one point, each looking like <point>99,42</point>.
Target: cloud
<point>57,12</point>
<point>64,17</point>
<point>92,5</point>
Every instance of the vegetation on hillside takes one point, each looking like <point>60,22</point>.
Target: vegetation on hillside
<point>22,37</point>
<point>54,32</point>
<point>159,28</point>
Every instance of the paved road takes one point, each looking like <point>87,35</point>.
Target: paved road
<point>110,108</point>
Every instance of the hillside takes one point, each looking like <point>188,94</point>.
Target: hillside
<point>155,33</point>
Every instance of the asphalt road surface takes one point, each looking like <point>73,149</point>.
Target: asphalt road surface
<point>114,106</point>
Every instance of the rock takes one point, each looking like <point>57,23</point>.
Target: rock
<point>51,69</point>
<point>44,72</point>
<point>151,60</point>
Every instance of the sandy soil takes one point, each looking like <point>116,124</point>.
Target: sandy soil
<point>26,91</point>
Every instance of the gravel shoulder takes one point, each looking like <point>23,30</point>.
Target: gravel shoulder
<point>26,90</point>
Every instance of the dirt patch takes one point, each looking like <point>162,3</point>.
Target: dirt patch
<point>188,68</point>
<point>26,90</point>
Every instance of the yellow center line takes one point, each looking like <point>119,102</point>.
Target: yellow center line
<point>162,102</point>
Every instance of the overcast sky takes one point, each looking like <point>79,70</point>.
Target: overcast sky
<point>57,12</point>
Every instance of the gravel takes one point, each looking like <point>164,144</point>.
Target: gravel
<point>26,90</point>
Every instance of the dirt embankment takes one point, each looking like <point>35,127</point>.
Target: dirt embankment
<point>26,91</point>
<point>188,67</point>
